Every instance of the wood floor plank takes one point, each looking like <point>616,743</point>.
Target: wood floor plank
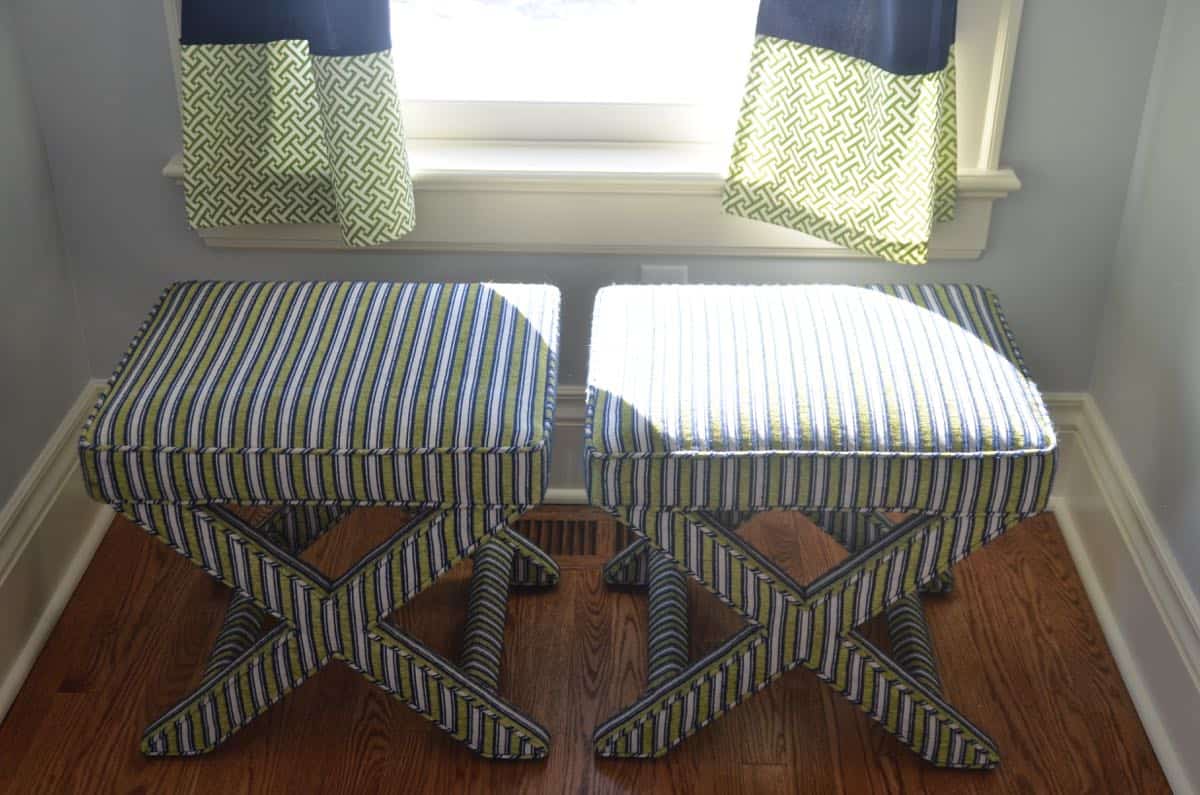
<point>1020,649</point>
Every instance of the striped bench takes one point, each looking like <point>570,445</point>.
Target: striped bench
<point>855,406</point>
<point>247,419</point>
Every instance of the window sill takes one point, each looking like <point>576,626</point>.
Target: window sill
<point>597,198</point>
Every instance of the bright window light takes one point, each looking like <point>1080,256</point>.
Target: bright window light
<point>679,52</point>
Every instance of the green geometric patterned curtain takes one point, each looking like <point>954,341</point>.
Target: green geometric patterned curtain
<point>847,129</point>
<point>290,116</point>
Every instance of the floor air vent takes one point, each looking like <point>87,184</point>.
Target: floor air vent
<point>562,536</point>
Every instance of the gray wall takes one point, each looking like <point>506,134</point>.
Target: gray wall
<point>1147,376</point>
<point>42,367</point>
<point>103,81</point>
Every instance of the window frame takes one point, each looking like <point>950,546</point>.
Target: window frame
<point>630,178</point>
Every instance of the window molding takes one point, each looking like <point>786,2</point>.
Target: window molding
<point>654,195</point>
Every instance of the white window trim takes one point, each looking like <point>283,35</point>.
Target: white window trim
<point>640,197</point>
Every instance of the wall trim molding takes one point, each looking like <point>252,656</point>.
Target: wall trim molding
<point>597,198</point>
<point>49,530</point>
<point>1148,612</point>
<point>566,458</point>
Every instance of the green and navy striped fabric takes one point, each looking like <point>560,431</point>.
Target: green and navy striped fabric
<point>904,398</point>
<point>350,392</point>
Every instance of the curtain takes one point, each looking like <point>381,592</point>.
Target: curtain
<point>847,129</point>
<point>290,116</point>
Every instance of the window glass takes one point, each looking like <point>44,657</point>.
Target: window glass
<point>686,52</point>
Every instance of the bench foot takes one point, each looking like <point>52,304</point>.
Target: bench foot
<point>531,566</point>
<point>232,696</point>
<point>628,567</point>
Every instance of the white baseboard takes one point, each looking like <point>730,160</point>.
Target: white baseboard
<point>49,530</point>
<point>566,458</point>
<point>1146,608</point>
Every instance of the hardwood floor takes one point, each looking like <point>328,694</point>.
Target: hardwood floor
<point>1021,654</point>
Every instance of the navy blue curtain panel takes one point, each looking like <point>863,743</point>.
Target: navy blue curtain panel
<point>847,130</point>
<point>331,27</point>
<point>904,37</point>
<point>290,116</point>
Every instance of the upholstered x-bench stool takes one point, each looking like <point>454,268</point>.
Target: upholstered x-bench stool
<point>307,400</point>
<point>853,405</point>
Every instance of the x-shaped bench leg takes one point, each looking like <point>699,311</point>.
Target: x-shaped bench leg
<point>810,626</point>
<point>344,620</point>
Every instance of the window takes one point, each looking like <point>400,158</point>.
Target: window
<point>603,126</point>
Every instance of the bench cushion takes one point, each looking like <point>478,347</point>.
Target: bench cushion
<point>907,398</point>
<point>331,391</point>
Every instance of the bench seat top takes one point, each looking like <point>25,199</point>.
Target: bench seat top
<point>352,392</point>
<point>901,397</point>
